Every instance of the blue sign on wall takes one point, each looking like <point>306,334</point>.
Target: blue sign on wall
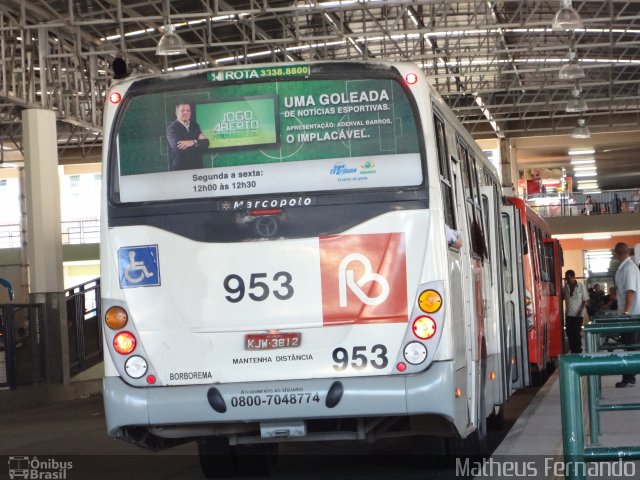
<point>139,266</point>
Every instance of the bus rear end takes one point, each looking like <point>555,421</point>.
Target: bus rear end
<point>294,277</point>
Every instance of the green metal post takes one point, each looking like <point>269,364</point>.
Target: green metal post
<point>571,412</point>
<point>572,367</point>
<point>593,384</point>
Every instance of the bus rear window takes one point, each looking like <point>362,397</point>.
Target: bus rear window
<point>267,137</point>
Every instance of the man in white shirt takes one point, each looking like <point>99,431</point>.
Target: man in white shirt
<point>575,296</point>
<point>628,292</point>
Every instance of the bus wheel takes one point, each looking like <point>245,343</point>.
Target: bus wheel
<point>257,459</point>
<point>431,451</point>
<point>217,458</point>
<point>475,445</point>
<point>538,376</point>
<point>495,421</point>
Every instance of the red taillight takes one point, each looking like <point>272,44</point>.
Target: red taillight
<point>124,343</point>
<point>401,366</point>
<point>424,327</point>
<point>115,98</point>
<point>151,379</point>
<point>411,78</point>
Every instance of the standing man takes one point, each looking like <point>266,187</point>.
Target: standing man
<point>628,292</point>
<point>575,296</point>
<point>186,140</point>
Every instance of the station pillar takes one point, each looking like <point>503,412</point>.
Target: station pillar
<point>44,239</point>
<point>509,167</point>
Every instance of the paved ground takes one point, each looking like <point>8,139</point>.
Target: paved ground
<point>74,431</point>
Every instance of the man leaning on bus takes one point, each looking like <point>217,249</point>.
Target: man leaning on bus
<point>575,295</point>
<point>628,293</point>
<point>186,140</point>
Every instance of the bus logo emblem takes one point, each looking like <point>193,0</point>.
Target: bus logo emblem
<point>346,280</point>
<point>138,266</point>
<point>363,278</point>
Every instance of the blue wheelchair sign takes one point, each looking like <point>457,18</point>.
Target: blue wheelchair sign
<point>139,266</point>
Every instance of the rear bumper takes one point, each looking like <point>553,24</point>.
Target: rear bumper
<point>429,392</point>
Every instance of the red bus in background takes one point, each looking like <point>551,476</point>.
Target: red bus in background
<point>542,262</point>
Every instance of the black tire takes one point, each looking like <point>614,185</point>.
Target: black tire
<point>538,377</point>
<point>429,451</point>
<point>257,460</point>
<point>217,458</point>
<point>495,421</point>
<point>475,445</point>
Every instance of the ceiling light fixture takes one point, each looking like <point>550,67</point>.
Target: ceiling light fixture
<point>575,103</point>
<point>171,43</point>
<point>582,151</point>
<point>580,131</point>
<point>586,161</point>
<point>587,186</point>
<point>571,70</point>
<point>601,236</point>
<point>567,18</point>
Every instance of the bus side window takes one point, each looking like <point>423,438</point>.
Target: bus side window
<point>549,261</point>
<point>542,264</point>
<point>472,201</point>
<point>445,173</point>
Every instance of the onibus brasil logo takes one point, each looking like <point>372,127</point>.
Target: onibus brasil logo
<point>38,469</point>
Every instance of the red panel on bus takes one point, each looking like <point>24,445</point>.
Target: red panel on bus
<point>364,278</point>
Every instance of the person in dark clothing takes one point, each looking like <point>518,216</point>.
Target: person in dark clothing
<point>610,300</point>
<point>186,140</point>
<point>576,297</point>
<point>596,299</point>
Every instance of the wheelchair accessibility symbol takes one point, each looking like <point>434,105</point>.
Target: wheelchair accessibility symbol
<point>139,266</point>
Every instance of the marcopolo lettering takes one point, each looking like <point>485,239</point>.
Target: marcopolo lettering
<point>272,203</point>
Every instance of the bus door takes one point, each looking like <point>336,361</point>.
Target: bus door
<point>460,285</point>
<point>513,325</point>
<point>494,392</point>
<point>553,257</point>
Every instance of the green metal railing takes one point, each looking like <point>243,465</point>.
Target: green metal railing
<point>572,367</point>
<point>610,319</point>
<point>592,365</point>
<point>594,332</point>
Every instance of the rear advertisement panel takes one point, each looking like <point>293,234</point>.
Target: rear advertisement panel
<point>270,137</point>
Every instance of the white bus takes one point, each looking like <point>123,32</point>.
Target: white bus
<point>291,280</point>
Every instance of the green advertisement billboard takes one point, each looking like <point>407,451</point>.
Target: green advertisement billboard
<point>334,127</point>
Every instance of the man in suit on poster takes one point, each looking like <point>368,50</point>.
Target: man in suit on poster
<point>186,140</point>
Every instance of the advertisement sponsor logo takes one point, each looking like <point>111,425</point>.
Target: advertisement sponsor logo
<point>364,278</point>
<point>368,168</point>
<point>341,169</point>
